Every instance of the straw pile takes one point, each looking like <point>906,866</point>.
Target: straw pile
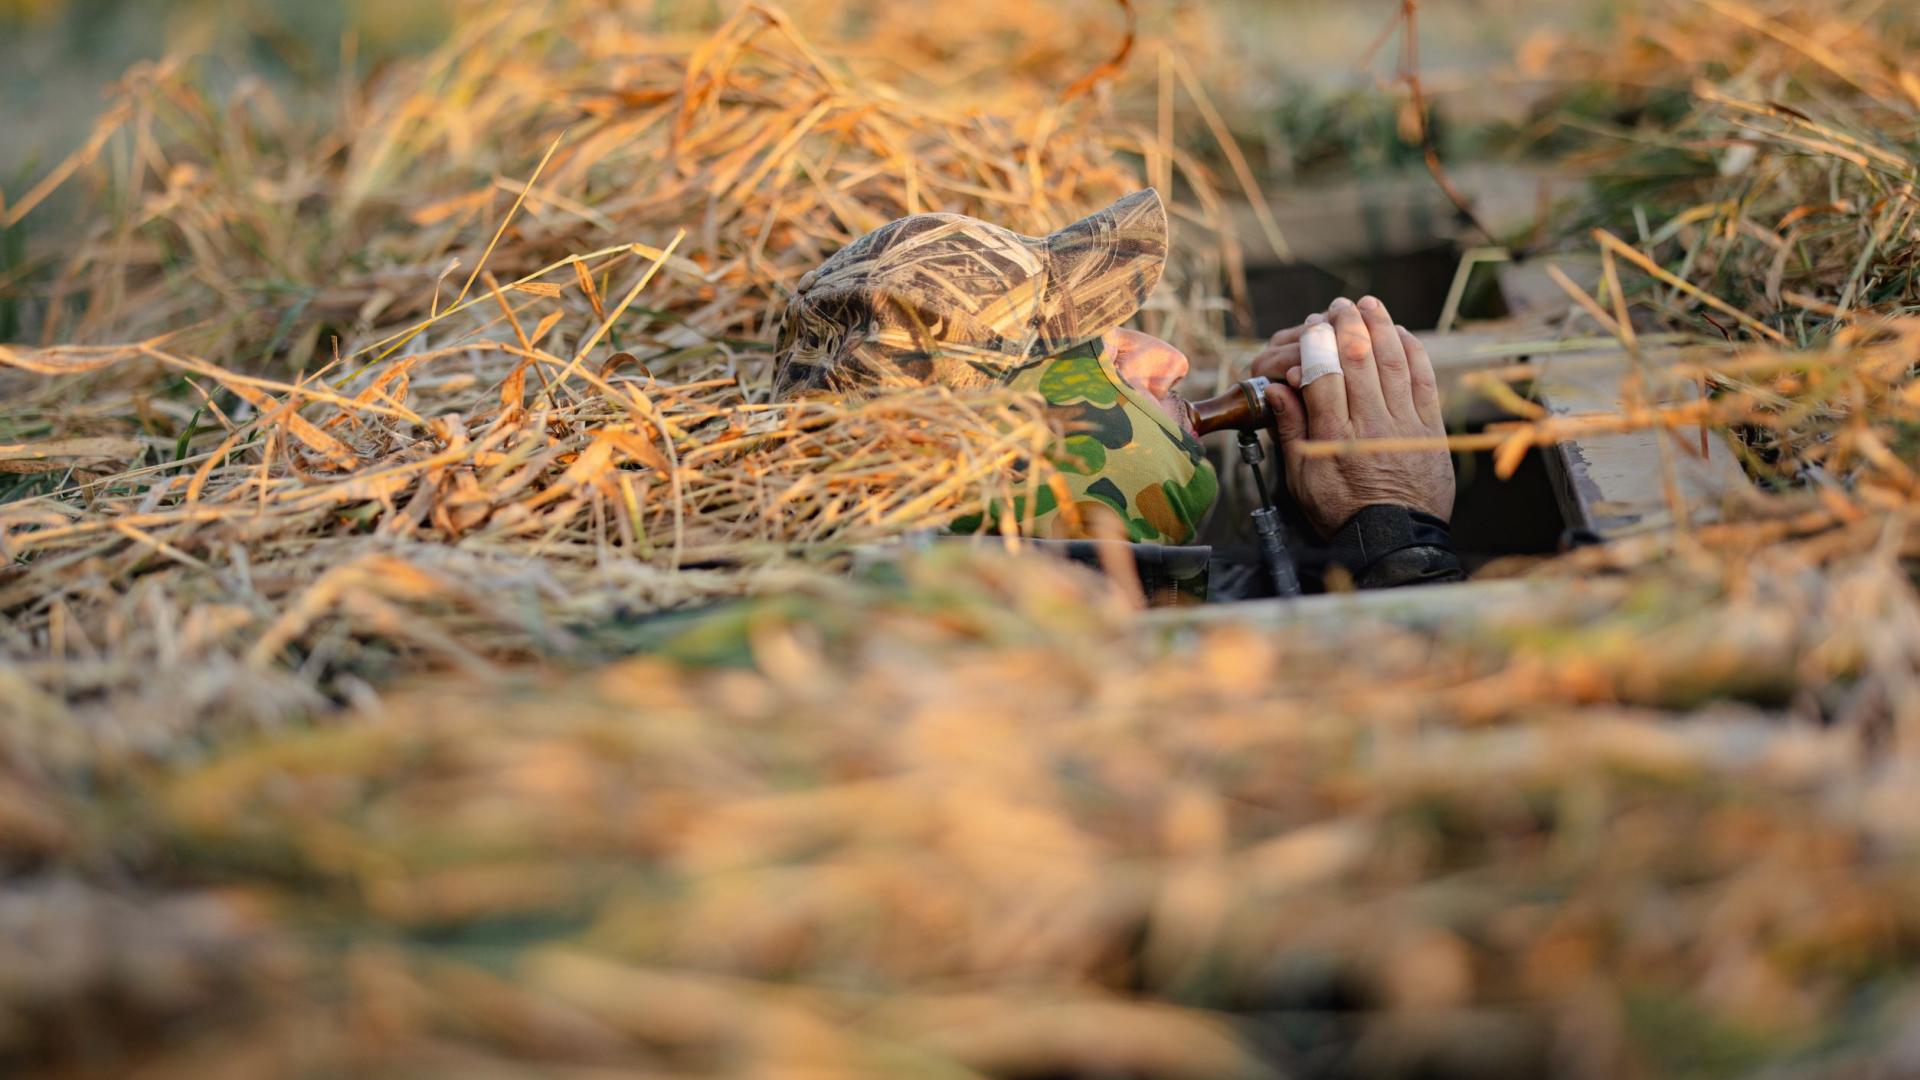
<point>975,822</point>
<point>1755,172</point>
<point>253,232</point>
<point>344,732</point>
<point>1786,186</point>
<point>358,344</point>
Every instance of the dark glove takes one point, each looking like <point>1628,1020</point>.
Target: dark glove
<point>1384,547</point>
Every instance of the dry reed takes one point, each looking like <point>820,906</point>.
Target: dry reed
<point>969,816</point>
<point>498,378</point>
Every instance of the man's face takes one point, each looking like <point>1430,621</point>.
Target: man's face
<point>1154,368</point>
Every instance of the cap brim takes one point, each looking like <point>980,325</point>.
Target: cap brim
<point>1101,269</point>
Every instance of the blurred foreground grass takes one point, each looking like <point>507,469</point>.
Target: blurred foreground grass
<point>978,820</point>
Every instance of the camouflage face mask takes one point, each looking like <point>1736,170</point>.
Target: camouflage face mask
<point>1130,471</point>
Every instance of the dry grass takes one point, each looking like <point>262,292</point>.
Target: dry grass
<point>1787,189</point>
<point>370,538</point>
<point>343,730</point>
<point>1773,224</point>
<point>573,417</point>
<point>253,232</point>
<point>978,823</point>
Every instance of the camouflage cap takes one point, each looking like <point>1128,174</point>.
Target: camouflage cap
<point>945,298</point>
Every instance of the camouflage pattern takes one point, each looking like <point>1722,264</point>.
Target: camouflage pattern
<point>1128,470</point>
<point>943,298</point>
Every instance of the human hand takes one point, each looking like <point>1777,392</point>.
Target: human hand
<point>1385,389</point>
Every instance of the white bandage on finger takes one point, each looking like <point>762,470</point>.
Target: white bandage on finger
<point>1319,354</point>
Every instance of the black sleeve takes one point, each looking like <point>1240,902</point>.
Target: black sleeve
<point>1384,547</point>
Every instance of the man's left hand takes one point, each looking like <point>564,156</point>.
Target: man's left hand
<point>1385,389</point>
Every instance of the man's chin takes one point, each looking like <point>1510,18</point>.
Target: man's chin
<point>1177,410</point>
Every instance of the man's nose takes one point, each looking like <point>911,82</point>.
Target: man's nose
<point>1154,363</point>
<point>1167,367</point>
<point>1180,366</point>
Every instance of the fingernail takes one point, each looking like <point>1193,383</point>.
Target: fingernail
<point>1370,303</point>
<point>1343,302</point>
<point>1316,319</point>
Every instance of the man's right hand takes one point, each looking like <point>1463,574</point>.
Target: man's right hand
<point>1385,389</point>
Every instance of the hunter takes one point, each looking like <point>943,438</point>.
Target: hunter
<point>944,298</point>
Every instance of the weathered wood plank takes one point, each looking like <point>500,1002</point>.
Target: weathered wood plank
<point>1615,485</point>
<point>1427,606</point>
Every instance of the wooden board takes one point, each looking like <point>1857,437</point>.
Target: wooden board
<point>1427,608</point>
<point>1616,485</point>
